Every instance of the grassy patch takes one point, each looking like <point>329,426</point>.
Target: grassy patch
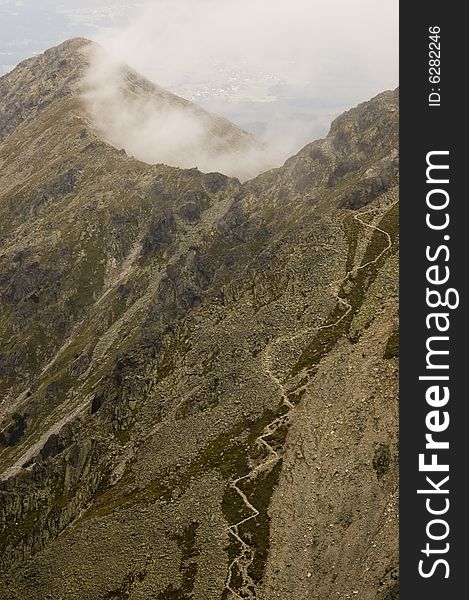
<point>257,530</point>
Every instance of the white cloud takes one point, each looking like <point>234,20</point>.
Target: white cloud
<point>157,127</point>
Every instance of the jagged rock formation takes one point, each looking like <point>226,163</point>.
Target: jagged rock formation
<point>199,376</point>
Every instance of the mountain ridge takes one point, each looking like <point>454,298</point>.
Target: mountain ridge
<point>106,91</point>
<point>155,320</point>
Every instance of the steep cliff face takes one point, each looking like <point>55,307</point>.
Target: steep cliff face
<point>199,376</point>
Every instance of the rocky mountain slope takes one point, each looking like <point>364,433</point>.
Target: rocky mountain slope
<point>199,376</point>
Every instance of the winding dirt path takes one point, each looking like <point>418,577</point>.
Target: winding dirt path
<point>245,558</point>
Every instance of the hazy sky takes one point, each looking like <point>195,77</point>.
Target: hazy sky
<point>31,26</point>
<point>280,69</point>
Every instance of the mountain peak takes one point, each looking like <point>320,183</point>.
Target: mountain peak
<point>126,110</point>
<point>75,43</point>
<point>73,51</point>
<point>39,81</point>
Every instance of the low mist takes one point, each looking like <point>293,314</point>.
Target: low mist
<point>278,70</point>
<point>156,126</point>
